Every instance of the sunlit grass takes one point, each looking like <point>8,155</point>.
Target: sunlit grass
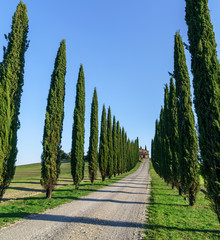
<point>171,217</point>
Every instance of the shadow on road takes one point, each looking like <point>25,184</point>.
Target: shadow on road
<point>158,227</point>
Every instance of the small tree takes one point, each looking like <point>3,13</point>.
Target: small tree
<point>11,83</point>
<point>110,144</point>
<point>93,140</point>
<point>77,152</point>
<point>50,165</point>
<point>103,146</point>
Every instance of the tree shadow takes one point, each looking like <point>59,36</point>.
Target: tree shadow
<point>84,220</point>
<point>125,186</point>
<point>25,189</point>
<point>110,200</point>
<point>28,182</point>
<point>181,229</point>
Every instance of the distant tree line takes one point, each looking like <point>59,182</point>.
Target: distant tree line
<point>177,156</point>
<point>116,155</point>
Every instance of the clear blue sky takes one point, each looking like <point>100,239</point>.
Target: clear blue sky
<point>126,48</point>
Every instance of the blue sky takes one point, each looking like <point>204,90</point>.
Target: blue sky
<point>126,48</point>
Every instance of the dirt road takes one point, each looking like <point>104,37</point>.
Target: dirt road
<point>113,212</point>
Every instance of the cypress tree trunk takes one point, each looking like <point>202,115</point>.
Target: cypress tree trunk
<point>206,82</point>
<point>11,83</point>
<point>188,145</point>
<point>180,191</point>
<point>110,145</point>
<point>103,146</point>
<point>115,155</point>
<point>50,164</point>
<point>77,151</point>
<point>93,140</point>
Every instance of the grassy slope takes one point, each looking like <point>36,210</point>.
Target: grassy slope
<point>21,207</point>
<point>26,181</point>
<point>170,216</point>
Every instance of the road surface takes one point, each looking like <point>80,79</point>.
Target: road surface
<point>114,212</point>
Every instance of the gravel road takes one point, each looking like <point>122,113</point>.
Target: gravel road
<point>113,212</point>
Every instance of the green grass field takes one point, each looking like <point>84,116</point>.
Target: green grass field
<point>30,175</point>
<point>171,217</point>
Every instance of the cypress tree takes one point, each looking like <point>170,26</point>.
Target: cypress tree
<point>118,129</point>
<point>103,146</point>
<point>50,165</point>
<point>188,145</point>
<point>110,144</point>
<point>161,148</point>
<point>173,136</point>
<point>11,83</point>
<point>115,149</point>
<point>155,149</point>
<point>126,152</point>
<point>168,175</point>
<point>77,151</point>
<point>206,82</point>
<point>93,140</point>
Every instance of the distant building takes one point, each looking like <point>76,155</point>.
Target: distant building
<point>143,153</point>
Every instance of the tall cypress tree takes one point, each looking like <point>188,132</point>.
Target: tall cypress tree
<point>188,145</point>
<point>119,148</point>
<point>54,123</point>
<point>115,147</point>
<point>161,148</point>
<point>93,140</point>
<point>77,151</point>
<point>168,175</point>
<point>173,136</point>
<point>11,83</point>
<point>206,82</point>
<point>103,146</point>
<point>110,144</point>
<point>126,152</point>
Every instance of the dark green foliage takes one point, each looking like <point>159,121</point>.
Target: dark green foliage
<point>188,146</point>
<point>11,83</point>
<point>93,140</point>
<point>110,144</point>
<point>115,147</point>
<point>77,152</point>
<point>118,129</point>
<point>173,136</point>
<point>161,149</point>
<point>167,170</point>
<point>206,71</point>
<point>103,146</point>
<point>50,163</point>
<point>125,152</point>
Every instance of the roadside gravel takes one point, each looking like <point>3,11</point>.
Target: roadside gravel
<point>114,212</point>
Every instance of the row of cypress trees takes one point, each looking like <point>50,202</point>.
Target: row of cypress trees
<point>113,143</point>
<point>175,145</point>
<point>206,83</point>
<point>117,154</point>
<point>125,158</point>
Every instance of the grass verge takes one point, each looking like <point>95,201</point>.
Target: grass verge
<point>171,217</point>
<point>21,207</point>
